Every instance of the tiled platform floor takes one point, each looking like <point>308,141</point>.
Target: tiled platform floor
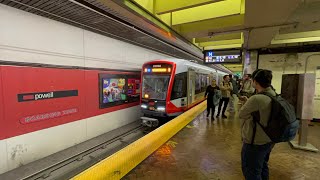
<point>211,150</point>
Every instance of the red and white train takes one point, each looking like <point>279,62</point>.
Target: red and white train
<point>170,87</point>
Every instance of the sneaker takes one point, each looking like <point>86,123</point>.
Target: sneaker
<point>217,115</point>
<point>212,118</point>
<point>224,116</point>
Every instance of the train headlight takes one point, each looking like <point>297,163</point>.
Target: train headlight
<point>143,106</point>
<point>161,108</point>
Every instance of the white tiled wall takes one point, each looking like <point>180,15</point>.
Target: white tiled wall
<point>29,147</point>
<point>103,123</point>
<point>3,156</point>
<point>25,30</point>
<point>291,64</point>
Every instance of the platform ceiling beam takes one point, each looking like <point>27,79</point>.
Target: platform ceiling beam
<point>193,16</point>
<point>210,24</point>
<point>222,42</point>
<point>221,37</point>
<point>227,46</point>
<point>167,6</point>
<point>300,37</point>
<point>210,11</point>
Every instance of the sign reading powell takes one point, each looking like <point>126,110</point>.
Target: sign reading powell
<point>46,95</point>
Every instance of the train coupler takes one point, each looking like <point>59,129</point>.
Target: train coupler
<point>150,122</point>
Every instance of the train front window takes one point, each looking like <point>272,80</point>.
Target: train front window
<point>155,87</point>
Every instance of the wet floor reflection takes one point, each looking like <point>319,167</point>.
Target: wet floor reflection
<point>210,149</point>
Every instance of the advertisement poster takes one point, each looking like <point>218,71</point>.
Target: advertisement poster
<point>113,90</point>
<point>133,87</point>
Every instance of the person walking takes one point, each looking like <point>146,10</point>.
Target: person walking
<point>226,88</point>
<point>210,93</point>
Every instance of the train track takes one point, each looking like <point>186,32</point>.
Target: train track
<point>46,173</point>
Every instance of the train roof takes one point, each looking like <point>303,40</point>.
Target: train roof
<point>188,63</point>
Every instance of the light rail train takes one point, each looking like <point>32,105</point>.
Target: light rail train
<point>171,87</point>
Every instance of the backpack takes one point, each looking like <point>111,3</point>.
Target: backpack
<point>282,125</point>
<point>216,97</point>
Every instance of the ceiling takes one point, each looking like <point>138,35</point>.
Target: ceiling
<point>249,24</point>
<point>184,28</point>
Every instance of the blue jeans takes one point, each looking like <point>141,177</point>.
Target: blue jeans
<point>254,160</point>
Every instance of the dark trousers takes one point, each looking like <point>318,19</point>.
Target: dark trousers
<point>224,101</point>
<point>209,107</point>
<point>254,159</point>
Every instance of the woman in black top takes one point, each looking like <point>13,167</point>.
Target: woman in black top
<point>211,90</point>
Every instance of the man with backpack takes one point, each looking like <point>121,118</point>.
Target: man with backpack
<point>266,119</point>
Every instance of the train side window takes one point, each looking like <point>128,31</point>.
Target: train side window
<point>179,89</point>
<point>203,83</point>
<point>198,84</point>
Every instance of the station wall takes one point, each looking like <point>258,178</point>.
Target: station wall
<point>293,64</point>
<point>28,38</point>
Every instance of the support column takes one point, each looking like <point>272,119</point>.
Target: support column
<point>305,102</point>
<point>250,62</point>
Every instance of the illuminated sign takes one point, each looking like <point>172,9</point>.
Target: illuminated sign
<point>160,70</point>
<point>222,56</point>
<point>157,68</point>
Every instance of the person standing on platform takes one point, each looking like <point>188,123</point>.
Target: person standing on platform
<point>211,91</point>
<point>247,88</point>
<point>233,94</point>
<point>226,88</point>
<point>257,145</point>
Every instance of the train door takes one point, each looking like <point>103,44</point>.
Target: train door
<point>210,77</point>
<point>191,86</point>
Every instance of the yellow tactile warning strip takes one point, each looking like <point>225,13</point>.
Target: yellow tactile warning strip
<point>119,164</point>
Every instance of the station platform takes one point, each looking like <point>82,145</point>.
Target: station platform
<point>207,149</point>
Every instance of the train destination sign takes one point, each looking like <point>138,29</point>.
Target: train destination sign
<point>222,56</point>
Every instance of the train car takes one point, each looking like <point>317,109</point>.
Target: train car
<point>171,87</point>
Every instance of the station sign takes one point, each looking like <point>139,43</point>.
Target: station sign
<point>223,56</point>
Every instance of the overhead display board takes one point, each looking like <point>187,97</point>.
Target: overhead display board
<point>222,56</point>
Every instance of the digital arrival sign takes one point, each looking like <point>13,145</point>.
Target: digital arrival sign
<point>222,56</point>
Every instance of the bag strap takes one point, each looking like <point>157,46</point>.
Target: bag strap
<point>272,97</point>
<point>256,119</point>
<point>254,132</point>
